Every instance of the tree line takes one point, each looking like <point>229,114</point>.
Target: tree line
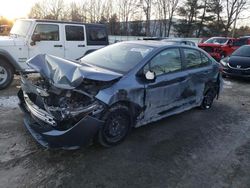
<point>188,18</point>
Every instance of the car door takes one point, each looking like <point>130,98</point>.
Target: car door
<point>167,92</point>
<point>50,40</point>
<point>200,70</point>
<point>75,42</point>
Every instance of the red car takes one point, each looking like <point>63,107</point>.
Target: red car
<point>220,47</point>
<point>217,47</point>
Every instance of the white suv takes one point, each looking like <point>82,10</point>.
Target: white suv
<point>29,37</point>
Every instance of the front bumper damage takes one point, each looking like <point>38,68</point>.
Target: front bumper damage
<point>42,125</point>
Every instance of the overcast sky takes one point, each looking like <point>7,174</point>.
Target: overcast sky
<point>20,8</point>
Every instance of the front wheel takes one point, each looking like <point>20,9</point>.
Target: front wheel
<point>117,126</point>
<point>6,74</point>
<point>208,99</point>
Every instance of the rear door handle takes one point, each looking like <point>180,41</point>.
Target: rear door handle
<point>81,45</point>
<point>58,45</point>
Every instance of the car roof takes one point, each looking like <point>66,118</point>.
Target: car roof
<point>244,37</point>
<point>159,44</point>
<point>63,22</point>
<point>176,40</point>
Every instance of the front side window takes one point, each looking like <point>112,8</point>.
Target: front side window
<point>195,58</point>
<point>47,32</point>
<point>165,62</point>
<point>74,33</point>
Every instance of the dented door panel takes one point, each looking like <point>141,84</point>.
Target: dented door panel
<point>166,93</point>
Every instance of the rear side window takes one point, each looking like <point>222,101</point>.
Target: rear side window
<point>97,35</point>
<point>74,33</point>
<point>195,58</point>
<point>47,32</point>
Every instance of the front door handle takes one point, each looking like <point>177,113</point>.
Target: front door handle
<point>81,45</point>
<point>58,45</point>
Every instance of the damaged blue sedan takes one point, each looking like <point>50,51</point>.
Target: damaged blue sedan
<point>129,84</point>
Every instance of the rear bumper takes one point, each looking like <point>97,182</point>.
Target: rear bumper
<point>80,134</point>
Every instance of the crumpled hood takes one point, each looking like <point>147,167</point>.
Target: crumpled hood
<point>67,74</point>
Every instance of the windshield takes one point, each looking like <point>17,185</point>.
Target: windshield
<point>119,57</point>
<point>216,40</point>
<point>243,51</point>
<point>21,27</point>
<point>240,42</point>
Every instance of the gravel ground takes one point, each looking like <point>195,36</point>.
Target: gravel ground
<point>194,149</point>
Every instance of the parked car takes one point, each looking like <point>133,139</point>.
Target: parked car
<point>217,47</point>
<point>124,85</point>
<point>30,37</point>
<point>179,41</point>
<point>229,49</point>
<point>238,64</point>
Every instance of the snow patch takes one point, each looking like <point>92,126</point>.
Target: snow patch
<point>227,84</point>
<point>9,102</point>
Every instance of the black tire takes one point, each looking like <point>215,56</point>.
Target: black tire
<point>6,74</point>
<point>117,126</point>
<point>208,99</point>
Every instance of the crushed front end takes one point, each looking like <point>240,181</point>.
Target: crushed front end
<point>60,118</point>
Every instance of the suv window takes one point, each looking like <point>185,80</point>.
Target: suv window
<point>74,33</point>
<point>165,62</point>
<point>48,32</point>
<point>97,35</point>
<point>195,58</point>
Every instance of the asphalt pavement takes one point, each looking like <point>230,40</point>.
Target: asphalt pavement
<point>198,148</point>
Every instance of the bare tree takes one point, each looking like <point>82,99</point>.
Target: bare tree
<point>172,7</point>
<point>127,9</point>
<point>233,9</point>
<point>46,9</point>
<point>147,6</point>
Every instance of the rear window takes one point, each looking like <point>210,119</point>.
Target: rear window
<point>97,35</point>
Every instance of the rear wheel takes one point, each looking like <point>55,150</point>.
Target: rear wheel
<point>208,99</point>
<point>6,74</point>
<point>117,126</point>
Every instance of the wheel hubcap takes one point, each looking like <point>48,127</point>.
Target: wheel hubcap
<point>3,75</point>
<point>116,129</point>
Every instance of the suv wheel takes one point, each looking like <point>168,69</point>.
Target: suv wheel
<point>117,126</point>
<point>6,74</point>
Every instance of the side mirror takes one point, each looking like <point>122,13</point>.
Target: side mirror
<point>150,76</point>
<point>35,38</point>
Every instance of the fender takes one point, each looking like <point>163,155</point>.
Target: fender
<point>11,60</point>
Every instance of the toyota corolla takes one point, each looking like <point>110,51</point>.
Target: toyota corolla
<point>112,90</point>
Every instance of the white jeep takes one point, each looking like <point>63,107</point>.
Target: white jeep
<point>30,37</point>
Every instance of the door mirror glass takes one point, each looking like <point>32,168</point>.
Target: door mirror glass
<point>36,38</point>
<point>150,75</point>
